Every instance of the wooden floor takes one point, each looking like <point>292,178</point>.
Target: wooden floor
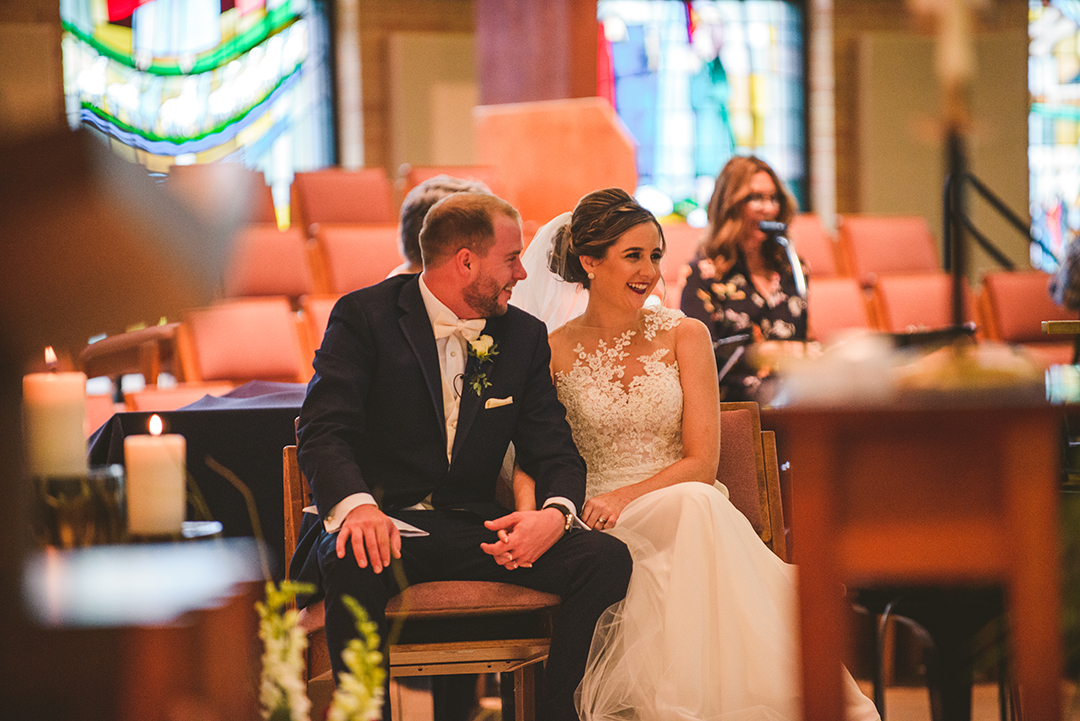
<point>902,703</point>
<point>911,703</point>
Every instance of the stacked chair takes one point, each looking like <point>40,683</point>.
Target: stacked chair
<point>682,245</point>
<point>269,262</point>
<point>1013,306</point>
<point>279,287</point>
<point>836,303</point>
<point>354,256</point>
<point>876,245</point>
<point>336,195</point>
<point>909,302</point>
<point>241,340</point>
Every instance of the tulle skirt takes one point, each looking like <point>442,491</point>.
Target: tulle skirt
<point>707,630</point>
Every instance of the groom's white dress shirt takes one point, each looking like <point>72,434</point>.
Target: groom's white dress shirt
<point>453,352</point>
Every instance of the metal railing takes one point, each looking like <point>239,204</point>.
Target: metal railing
<point>954,186</point>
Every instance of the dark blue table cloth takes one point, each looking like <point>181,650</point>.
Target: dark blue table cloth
<point>244,431</point>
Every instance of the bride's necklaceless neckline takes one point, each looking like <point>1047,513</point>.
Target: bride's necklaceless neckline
<point>618,327</point>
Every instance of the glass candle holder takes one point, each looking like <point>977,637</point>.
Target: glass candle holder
<point>86,509</point>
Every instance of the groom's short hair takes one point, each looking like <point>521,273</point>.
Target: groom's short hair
<point>461,220</point>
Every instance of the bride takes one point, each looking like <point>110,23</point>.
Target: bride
<point>708,627</point>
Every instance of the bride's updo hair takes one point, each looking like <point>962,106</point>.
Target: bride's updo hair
<point>599,219</point>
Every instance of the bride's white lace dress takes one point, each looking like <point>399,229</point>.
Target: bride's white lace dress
<point>708,627</point>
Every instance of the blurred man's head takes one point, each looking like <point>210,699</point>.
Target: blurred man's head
<point>416,205</point>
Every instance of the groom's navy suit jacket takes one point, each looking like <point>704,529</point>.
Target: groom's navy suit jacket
<point>373,417</point>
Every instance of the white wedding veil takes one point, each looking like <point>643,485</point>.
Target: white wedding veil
<point>543,293</point>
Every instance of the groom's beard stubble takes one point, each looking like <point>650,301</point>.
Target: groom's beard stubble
<point>482,295</point>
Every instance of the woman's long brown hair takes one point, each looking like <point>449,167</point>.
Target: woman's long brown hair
<point>725,212</point>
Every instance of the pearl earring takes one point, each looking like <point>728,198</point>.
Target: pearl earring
<point>592,276</point>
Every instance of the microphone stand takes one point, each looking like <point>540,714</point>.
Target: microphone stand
<point>776,230</point>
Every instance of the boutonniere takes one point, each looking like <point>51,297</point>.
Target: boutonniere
<point>483,351</point>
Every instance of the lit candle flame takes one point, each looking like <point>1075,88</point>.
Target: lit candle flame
<point>156,426</point>
<point>50,358</point>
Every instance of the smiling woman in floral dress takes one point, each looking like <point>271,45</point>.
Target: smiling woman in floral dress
<point>741,282</point>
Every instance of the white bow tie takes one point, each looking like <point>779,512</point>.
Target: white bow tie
<point>445,326</point>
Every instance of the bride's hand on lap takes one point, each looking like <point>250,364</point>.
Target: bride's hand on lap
<point>524,536</point>
<point>603,511</point>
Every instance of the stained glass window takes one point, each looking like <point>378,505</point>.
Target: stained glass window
<point>192,81</point>
<point>1054,125</point>
<point>698,82</point>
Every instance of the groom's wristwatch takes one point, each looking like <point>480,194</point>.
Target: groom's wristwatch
<point>568,515</point>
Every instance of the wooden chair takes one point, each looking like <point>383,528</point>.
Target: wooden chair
<point>917,302</point>
<point>355,256</point>
<point>148,351</point>
<point>267,261</point>
<point>1013,306</point>
<point>874,245</point>
<point>473,607</point>
<point>335,195</point>
<point>816,246</point>
<point>836,306</point>
<point>748,467</point>
<point>243,340</point>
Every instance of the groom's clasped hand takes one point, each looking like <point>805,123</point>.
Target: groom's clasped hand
<point>524,536</point>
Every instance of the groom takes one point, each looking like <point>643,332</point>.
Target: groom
<point>421,383</point>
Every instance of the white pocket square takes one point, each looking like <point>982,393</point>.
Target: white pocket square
<point>496,402</point>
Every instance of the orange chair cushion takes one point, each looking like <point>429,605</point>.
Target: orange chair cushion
<point>835,305</point>
<point>448,599</point>
<point>467,598</point>
<point>268,261</point>
<point>334,195</point>
<point>879,245</point>
<point>682,244</point>
<point>356,256</point>
<point>316,311</point>
<point>253,339</point>
<point>814,245</point>
<point>918,301</point>
<point>738,464</point>
<point>1019,302</point>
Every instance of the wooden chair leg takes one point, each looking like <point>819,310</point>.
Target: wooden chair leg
<point>884,649</point>
<point>525,693</point>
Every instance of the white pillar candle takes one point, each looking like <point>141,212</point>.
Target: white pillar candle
<point>54,416</point>
<point>156,482</point>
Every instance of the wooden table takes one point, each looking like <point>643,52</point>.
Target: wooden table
<point>138,633</point>
<point>931,495</point>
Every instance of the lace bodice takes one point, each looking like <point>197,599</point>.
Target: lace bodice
<point>627,425</point>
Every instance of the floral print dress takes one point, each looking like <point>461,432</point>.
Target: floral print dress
<point>730,304</point>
